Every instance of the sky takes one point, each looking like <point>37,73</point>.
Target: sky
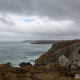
<point>39,20</point>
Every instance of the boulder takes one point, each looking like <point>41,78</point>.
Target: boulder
<point>77,76</point>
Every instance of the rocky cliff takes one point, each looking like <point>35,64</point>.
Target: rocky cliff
<point>66,53</point>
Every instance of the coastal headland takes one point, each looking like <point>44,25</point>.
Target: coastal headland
<point>60,62</point>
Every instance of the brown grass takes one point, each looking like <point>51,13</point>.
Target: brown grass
<point>54,72</point>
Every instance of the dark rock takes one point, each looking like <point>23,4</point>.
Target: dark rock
<point>24,64</point>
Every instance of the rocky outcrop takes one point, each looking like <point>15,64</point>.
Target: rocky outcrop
<point>65,53</point>
<point>63,60</point>
<point>24,64</point>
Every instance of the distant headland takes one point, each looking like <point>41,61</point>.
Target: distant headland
<point>42,41</point>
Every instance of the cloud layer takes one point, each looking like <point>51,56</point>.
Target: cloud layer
<point>36,19</point>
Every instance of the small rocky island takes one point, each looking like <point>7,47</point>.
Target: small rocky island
<point>60,62</point>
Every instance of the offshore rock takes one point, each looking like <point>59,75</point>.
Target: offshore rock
<point>65,53</point>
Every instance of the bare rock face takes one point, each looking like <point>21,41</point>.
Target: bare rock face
<point>63,61</point>
<point>64,53</point>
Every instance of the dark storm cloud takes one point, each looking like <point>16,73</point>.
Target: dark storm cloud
<point>16,6</point>
<point>58,9</point>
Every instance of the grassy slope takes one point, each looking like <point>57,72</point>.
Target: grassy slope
<point>55,72</point>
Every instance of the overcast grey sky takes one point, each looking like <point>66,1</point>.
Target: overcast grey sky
<point>39,19</point>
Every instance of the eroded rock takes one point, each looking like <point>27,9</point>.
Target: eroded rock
<point>63,61</point>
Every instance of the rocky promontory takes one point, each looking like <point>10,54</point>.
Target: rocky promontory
<point>65,53</point>
<point>45,41</point>
<point>61,62</point>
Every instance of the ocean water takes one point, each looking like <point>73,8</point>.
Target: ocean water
<point>17,52</point>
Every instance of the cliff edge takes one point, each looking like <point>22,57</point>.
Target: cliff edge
<point>65,53</point>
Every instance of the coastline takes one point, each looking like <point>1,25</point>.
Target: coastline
<point>57,70</point>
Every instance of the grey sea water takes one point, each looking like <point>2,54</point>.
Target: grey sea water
<point>17,52</point>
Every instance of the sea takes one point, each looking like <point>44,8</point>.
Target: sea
<point>17,52</point>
